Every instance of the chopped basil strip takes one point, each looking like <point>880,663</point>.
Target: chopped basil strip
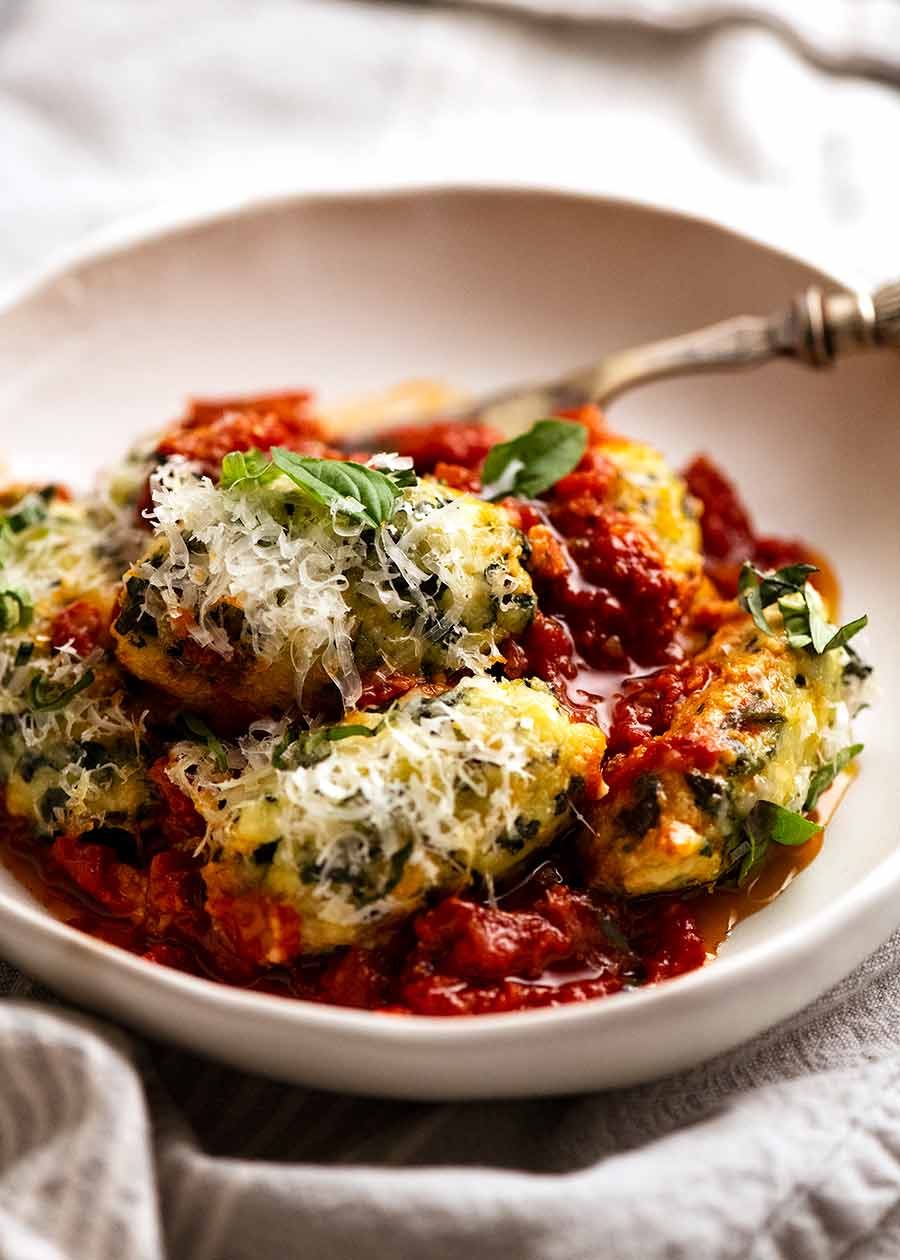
<point>750,599</point>
<point>826,775</point>
<point>198,727</point>
<point>16,609</point>
<point>841,638</point>
<point>312,745</point>
<point>804,623</point>
<point>24,653</point>
<point>32,510</point>
<point>44,696</point>
<point>534,461</point>
<point>290,737</point>
<point>344,732</point>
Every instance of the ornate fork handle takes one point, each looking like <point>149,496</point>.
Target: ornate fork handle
<point>815,329</point>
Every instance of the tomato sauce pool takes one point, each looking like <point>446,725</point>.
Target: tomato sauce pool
<point>541,942</point>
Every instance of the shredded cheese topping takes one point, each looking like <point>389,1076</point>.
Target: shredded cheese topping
<point>466,781</point>
<point>440,584</point>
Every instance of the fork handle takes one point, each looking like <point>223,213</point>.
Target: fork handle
<point>821,326</point>
<point>815,329</point>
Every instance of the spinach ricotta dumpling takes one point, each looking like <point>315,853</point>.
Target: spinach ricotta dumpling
<point>353,826</point>
<point>761,726</point>
<point>259,594</point>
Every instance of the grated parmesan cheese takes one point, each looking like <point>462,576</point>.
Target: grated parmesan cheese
<point>310,593</point>
<point>362,828</point>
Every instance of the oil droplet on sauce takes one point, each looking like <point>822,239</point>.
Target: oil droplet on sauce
<point>718,912</point>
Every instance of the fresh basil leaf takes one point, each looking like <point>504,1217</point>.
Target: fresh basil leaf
<point>402,477</point>
<point>362,492</point>
<point>751,850</point>
<point>826,775</point>
<point>769,822</point>
<point>44,696</point>
<point>534,461</point>
<point>846,633</point>
<point>791,578</point>
<point>750,597</point>
<point>198,727</point>
<point>820,631</point>
<point>16,609</point>
<point>795,615</point>
<point>785,582</point>
<point>367,493</point>
<point>790,828</point>
<point>240,466</point>
<point>399,468</point>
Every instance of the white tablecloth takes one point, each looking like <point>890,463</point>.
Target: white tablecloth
<point>781,117</point>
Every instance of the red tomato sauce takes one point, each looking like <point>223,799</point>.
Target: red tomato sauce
<point>211,428</point>
<point>544,943</point>
<point>444,443</point>
<point>82,625</point>
<point>728,534</point>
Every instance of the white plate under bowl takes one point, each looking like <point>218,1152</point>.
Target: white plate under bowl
<point>480,287</point>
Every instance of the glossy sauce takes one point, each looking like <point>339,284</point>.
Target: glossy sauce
<point>542,942</point>
<point>596,690</point>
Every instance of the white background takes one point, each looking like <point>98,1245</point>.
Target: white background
<point>111,107</point>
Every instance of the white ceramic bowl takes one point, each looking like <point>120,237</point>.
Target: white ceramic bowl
<point>480,287</point>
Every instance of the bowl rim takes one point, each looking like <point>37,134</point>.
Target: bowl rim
<point>793,945</point>
<point>155,224</point>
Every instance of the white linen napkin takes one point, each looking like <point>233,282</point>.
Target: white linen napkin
<point>781,118</point>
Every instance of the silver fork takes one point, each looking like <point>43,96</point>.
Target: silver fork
<point>815,329</point>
